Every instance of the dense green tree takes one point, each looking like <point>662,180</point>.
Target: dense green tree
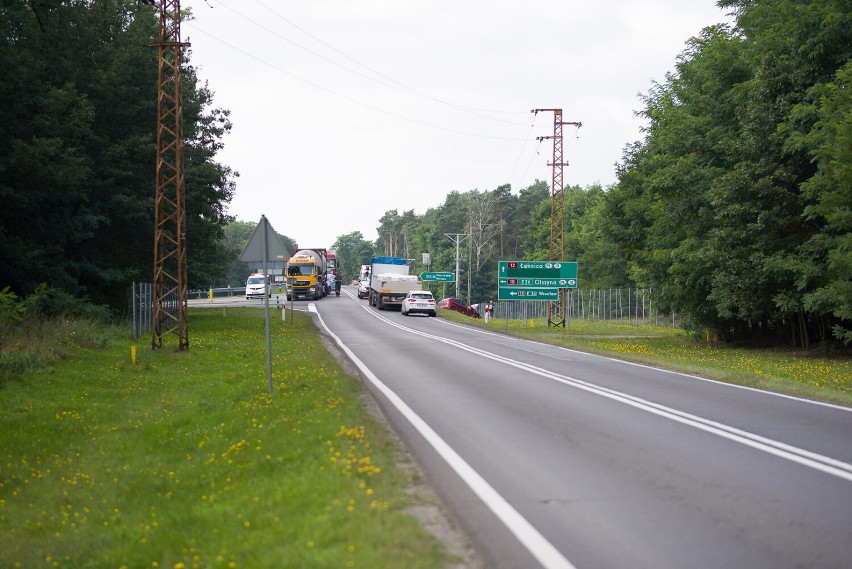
<point>491,223</point>
<point>517,214</point>
<point>715,208</point>
<point>352,251</point>
<point>826,258</point>
<point>77,144</point>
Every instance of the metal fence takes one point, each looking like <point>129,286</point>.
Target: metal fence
<point>141,301</point>
<point>633,305</point>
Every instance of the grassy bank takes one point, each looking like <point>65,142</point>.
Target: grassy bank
<point>812,375</point>
<point>184,460</point>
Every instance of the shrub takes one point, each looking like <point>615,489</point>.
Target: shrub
<point>46,302</point>
<point>11,309</point>
<point>46,327</point>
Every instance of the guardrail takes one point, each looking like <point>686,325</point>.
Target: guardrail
<point>224,292</point>
<point>217,292</point>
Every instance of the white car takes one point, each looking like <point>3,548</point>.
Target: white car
<point>363,289</point>
<point>257,285</point>
<point>418,301</point>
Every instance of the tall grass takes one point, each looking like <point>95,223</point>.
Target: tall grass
<point>46,327</point>
<point>37,343</point>
<point>184,460</point>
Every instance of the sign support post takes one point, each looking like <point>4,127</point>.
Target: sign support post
<point>263,243</point>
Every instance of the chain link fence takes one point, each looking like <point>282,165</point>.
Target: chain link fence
<point>631,305</point>
<point>140,300</point>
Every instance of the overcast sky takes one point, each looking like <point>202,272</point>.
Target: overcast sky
<point>345,109</point>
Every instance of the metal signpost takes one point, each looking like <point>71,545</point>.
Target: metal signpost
<point>262,246</point>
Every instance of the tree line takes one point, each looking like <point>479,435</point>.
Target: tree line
<point>78,114</point>
<point>735,206</point>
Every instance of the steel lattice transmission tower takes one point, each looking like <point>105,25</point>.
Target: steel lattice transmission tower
<point>169,306</point>
<point>556,311</point>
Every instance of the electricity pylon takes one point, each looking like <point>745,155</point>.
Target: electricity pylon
<point>169,303</point>
<point>556,310</point>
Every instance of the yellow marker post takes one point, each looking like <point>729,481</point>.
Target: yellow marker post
<point>211,295</point>
<point>133,354</point>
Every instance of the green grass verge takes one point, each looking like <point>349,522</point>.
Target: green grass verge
<point>184,460</point>
<point>805,374</point>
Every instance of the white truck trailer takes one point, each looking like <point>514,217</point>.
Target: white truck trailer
<point>390,282</point>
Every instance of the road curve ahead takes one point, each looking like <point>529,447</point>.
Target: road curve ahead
<point>553,458</point>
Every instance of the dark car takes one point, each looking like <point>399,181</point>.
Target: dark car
<point>458,306</point>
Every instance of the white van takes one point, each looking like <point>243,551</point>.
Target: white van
<point>256,285</point>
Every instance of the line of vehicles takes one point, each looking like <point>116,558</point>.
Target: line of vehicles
<point>385,283</point>
<point>309,273</point>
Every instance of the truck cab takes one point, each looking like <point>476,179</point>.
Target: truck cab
<point>302,279</point>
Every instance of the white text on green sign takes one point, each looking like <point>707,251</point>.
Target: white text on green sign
<point>527,294</point>
<point>536,283</point>
<point>537,269</point>
<point>437,277</point>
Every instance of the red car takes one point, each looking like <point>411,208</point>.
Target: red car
<point>458,306</point>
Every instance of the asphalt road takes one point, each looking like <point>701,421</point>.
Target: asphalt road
<point>554,458</point>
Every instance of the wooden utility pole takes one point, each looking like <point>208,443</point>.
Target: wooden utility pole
<point>556,310</point>
<point>169,303</point>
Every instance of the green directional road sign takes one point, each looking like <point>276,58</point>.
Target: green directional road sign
<point>518,282</point>
<point>438,277</point>
<point>537,269</point>
<point>534,280</point>
<point>528,294</point>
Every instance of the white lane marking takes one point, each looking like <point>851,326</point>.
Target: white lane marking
<point>530,538</point>
<point>800,456</point>
<point>659,369</point>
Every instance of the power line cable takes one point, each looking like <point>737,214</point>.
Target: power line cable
<point>391,82</point>
<point>399,85</point>
<point>350,99</point>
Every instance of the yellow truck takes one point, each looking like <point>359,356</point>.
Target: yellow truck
<point>307,275</point>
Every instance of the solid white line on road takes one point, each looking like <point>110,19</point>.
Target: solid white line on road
<point>800,456</point>
<point>646,366</point>
<point>530,538</point>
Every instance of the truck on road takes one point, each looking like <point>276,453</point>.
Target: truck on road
<point>331,255</point>
<point>307,274</point>
<point>390,282</point>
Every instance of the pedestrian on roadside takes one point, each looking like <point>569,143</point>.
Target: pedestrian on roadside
<point>489,310</point>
